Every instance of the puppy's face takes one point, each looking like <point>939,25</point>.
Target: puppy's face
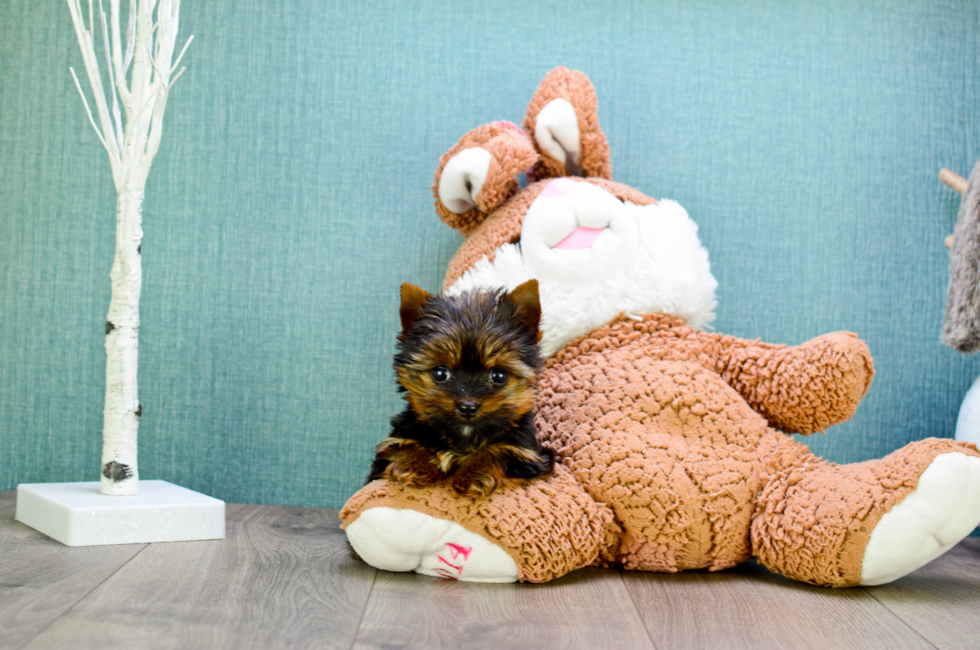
<point>469,363</point>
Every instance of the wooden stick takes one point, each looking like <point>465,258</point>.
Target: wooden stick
<point>953,180</point>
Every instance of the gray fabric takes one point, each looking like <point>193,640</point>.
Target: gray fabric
<point>962,328</point>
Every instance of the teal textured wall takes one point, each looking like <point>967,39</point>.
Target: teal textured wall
<point>291,197</point>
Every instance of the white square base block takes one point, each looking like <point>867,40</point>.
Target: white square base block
<point>77,514</point>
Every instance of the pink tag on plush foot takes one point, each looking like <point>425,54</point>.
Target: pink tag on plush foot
<point>458,550</point>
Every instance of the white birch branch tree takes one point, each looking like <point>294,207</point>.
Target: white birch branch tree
<point>140,78</point>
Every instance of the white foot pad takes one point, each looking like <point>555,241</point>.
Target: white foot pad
<point>942,510</point>
<point>405,540</point>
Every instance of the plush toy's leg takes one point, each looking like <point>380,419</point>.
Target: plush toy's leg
<point>943,509</point>
<point>682,505</point>
<point>531,531</point>
<point>867,523</point>
<point>407,540</point>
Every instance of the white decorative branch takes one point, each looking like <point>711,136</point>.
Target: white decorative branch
<point>89,111</point>
<point>132,143</point>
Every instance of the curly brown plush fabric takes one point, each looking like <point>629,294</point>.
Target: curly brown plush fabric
<point>549,527</point>
<point>804,389</point>
<point>574,87</point>
<point>511,152</point>
<point>646,416</point>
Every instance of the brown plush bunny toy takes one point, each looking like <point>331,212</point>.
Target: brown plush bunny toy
<point>672,442</point>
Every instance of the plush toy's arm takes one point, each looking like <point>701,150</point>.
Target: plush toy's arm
<point>532,531</point>
<point>800,389</point>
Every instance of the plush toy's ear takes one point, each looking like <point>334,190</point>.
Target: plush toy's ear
<point>563,119</point>
<point>528,306</point>
<point>480,173</point>
<point>413,303</point>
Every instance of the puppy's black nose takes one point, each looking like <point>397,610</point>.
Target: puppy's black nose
<point>467,408</point>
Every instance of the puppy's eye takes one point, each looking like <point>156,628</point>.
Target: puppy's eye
<point>440,374</point>
<point>498,376</point>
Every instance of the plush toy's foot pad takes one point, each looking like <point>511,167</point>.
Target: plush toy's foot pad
<point>942,510</point>
<point>406,540</point>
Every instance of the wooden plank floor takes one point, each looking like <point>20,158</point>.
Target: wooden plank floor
<point>284,578</point>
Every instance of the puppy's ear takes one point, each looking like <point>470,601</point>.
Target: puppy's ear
<point>563,120</point>
<point>528,302</point>
<point>480,173</point>
<point>413,303</point>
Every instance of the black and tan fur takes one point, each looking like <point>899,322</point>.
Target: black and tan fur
<point>468,367</point>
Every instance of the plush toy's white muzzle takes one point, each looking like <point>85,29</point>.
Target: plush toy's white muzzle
<point>644,259</point>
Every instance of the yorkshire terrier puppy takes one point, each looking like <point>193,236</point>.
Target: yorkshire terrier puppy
<point>468,366</point>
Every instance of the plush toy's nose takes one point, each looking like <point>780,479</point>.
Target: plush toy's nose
<point>467,408</point>
<point>559,187</point>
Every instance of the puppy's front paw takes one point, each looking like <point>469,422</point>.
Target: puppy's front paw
<point>474,484</point>
<point>415,468</point>
<point>530,468</point>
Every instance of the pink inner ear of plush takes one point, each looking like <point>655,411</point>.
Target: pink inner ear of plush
<point>581,238</point>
